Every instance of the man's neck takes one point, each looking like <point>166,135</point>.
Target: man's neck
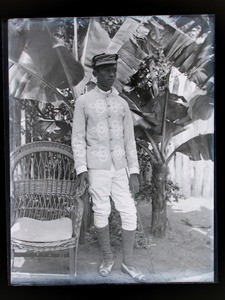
<point>104,91</point>
<point>104,88</point>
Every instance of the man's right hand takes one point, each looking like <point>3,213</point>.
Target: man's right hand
<point>83,182</point>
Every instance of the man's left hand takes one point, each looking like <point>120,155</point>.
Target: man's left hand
<point>134,184</point>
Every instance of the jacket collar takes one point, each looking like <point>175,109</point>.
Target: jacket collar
<point>113,90</point>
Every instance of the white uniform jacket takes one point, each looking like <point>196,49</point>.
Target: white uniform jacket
<point>103,132</point>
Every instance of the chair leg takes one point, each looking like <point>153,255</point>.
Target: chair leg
<point>75,261</point>
<point>72,263</point>
<point>12,258</point>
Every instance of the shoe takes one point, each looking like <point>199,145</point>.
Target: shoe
<point>106,267</point>
<point>135,273</point>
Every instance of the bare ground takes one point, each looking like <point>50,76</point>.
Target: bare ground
<point>186,254</point>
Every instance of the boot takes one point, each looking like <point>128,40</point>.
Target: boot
<point>128,237</point>
<point>108,260</point>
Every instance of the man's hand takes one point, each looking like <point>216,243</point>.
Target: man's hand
<point>134,184</point>
<point>83,182</point>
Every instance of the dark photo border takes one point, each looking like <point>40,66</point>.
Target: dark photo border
<point>14,9</point>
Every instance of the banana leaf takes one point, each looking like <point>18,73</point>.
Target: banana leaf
<point>152,112</point>
<point>199,76</point>
<point>42,66</point>
<point>130,102</point>
<point>46,126</point>
<point>122,35</point>
<point>177,44</point>
<point>198,148</point>
<point>52,127</point>
<point>95,42</point>
<point>187,58</point>
<point>17,37</point>
<point>201,108</point>
<point>25,83</point>
<point>130,58</point>
<point>171,130</point>
<point>175,111</point>
<point>124,72</point>
<point>131,54</point>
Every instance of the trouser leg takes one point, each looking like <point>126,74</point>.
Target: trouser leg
<point>124,203</point>
<point>100,189</point>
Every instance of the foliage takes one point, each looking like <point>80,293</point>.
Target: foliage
<point>161,114</point>
<point>64,31</point>
<point>152,75</point>
<point>173,191</point>
<point>148,192</point>
<point>40,64</point>
<point>46,121</point>
<point>111,24</point>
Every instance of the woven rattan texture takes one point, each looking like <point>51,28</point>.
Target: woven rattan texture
<point>43,186</point>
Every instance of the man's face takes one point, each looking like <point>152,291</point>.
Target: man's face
<point>106,75</point>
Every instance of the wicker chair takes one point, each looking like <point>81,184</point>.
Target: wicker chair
<point>43,198</point>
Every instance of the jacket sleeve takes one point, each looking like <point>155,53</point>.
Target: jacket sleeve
<point>130,143</point>
<point>78,139</point>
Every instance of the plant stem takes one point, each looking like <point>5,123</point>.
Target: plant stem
<point>164,123</point>
<point>75,47</point>
<point>155,149</point>
<point>85,43</point>
<point>149,152</point>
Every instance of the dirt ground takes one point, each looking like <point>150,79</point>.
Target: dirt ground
<point>186,254</point>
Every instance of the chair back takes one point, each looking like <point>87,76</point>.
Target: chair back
<point>43,181</point>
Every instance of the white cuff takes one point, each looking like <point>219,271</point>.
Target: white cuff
<point>81,169</point>
<point>134,170</point>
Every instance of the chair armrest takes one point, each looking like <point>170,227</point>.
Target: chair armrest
<point>77,215</point>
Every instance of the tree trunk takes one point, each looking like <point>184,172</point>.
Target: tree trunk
<point>158,226</point>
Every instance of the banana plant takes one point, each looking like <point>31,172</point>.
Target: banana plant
<point>154,131</point>
<point>40,65</point>
<point>41,69</point>
<point>161,115</point>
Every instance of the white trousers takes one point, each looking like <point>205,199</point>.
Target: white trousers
<point>114,183</point>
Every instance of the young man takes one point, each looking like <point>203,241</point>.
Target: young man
<point>106,159</point>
